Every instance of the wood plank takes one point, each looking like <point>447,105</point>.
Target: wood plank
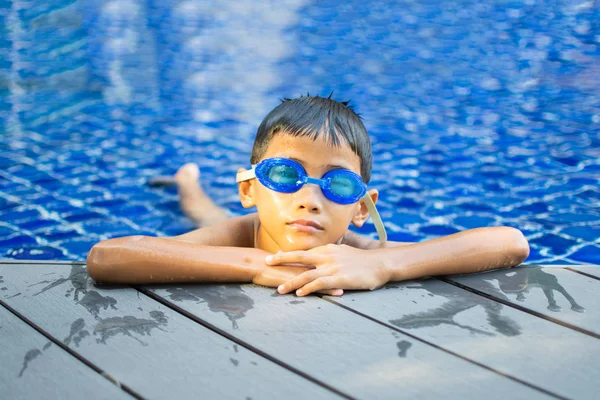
<point>593,270</point>
<point>152,349</point>
<point>513,342</point>
<point>556,293</point>
<point>34,367</point>
<point>359,357</point>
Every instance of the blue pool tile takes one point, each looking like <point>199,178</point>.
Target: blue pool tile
<point>534,254</point>
<point>144,196</point>
<point>474,221</point>
<point>34,253</point>
<point>404,237</point>
<point>36,224</point>
<point>588,255</point>
<point>49,184</point>
<point>152,222</point>
<point>441,230</point>
<point>470,142</point>
<point>18,240</point>
<point>15,216</point>
<point>475,207</point>
<point>103,182</point>
<point>82,216</point>
<point>537,207</point>
<point>6,205</point>
<point>101,227</point>
<point>131,211</point>
<point>6,231</point>
<point>569,217</point>
<point>556,243</point>
<point>406,218</point>
<point>111,203</point>
<point>59,234</point>
<point>79,247</point>
<point>170,205</point>
<point>90,195</point>
<point>42,200</point>
<point>177,227</point>
<point>61,207</point>
<point>589,233</point>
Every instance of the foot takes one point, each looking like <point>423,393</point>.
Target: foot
<point>194,202</point>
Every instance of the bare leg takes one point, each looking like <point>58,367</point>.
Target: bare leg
<point>194,202</point>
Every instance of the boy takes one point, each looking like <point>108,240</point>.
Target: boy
<point>311,162</point>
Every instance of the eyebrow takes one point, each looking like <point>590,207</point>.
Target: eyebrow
<point>333,166</point>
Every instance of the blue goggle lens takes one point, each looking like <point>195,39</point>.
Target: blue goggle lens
<point>344,186</point>
<point>283,175</point>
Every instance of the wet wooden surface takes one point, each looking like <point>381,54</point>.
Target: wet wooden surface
<point>524,333</point>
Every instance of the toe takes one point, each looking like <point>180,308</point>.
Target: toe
<point>187,172</point>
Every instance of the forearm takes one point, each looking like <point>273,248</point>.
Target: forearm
<point>145,259</point>
<point>474,250</point>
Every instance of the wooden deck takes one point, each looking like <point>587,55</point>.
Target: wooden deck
<point>523,333</point>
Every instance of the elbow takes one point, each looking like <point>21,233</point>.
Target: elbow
<point>91,262</point>
<point>94,262</point>
<point>519,246</point>
<point>105,258</point>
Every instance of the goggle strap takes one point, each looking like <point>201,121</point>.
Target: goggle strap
<point>250,174</point>
<point>376,219</point>
<point>245,175</point>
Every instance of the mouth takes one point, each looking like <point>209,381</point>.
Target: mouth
<point>303,225</point>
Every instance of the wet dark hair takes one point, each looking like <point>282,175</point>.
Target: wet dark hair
<point>313,116</point>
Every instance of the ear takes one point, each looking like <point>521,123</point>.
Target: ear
<point>246,191</point>
<point>362,212</point>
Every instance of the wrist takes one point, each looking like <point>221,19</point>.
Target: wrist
<point>382,266</point>
<point>256,262</point>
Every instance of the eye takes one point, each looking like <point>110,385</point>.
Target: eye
<point>343,186</point>
<point>283,174</point>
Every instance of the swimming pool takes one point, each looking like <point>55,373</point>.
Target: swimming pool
<point>480,114</point>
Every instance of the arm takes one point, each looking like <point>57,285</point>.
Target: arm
<point>219,253</point>
<point>146,259</point>
<point>473,250</point>
<point>347,267</point>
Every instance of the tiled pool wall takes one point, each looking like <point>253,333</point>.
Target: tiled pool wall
<point>481,113</point>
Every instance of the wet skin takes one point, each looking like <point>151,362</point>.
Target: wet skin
<point>276,210</point>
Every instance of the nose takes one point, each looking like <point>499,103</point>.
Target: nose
<point>309,197</point>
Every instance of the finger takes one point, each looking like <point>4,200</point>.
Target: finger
<point>302,280</point>
<point>296,257</point>
<point>327,282</point>
<point>294,265</point>
<point>332,292</point>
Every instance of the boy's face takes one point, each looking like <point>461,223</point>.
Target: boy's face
<point>277,211</point>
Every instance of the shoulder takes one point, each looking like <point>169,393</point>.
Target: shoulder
<point>233,232</point>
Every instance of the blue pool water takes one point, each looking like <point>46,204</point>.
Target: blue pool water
<point>481,113</point>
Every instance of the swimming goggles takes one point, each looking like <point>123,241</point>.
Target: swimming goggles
<point>339,185</point>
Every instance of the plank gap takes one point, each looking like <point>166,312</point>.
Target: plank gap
<point>57,342</point>
<point>583,273</point>
<point>520,308</point>
<point>412,335</point>
<point>234,339</point>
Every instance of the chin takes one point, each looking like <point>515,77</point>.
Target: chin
<point>304,244</point>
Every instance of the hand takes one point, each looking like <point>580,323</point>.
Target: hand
<point>275,276</point>
<point>336,266</point>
